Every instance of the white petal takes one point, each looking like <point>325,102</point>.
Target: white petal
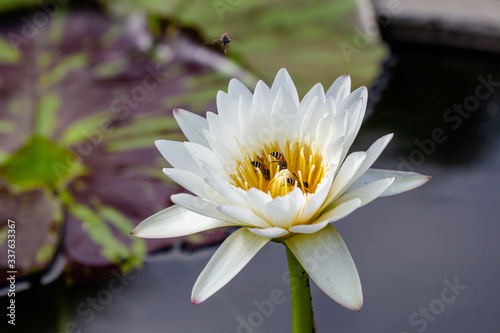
<point>244,112</point>
<point>339,122</point>
<point>340,88</point>
<point>283,115</point>
<point>327,260</point>
<point>344,176</point>
<point>225,133</point>
<point>284,80</point>
<point>202,207</point>
<point>194,184</point>
<point>262,97</point>
<point>310,118</point>
<point>256,130</point>
<point>358,94</point>
<point>371,155</point>
<point>330,106</point>
<point>307,228</point>
<point>236,251</point>
<point>318,199</point>
<point>282,211</point>
<point>368,192</point>
<point>339,211</point>
<point>236,88</point>
<point>226,108</point>
<point>316,92</point>
<point>176,221</point>
<point>244,215</point>
<point>201,156</point>
<point>232,194</point>
<point>177,155</point>
<point>257,199</point>
<point>332,152</point>
<point>405,181</point>
<point>315,112</point>
<point>323,130</point>
<point>269,232</point>
<point>355,117</point>
<point>217,146</point>
<point>192,126</point>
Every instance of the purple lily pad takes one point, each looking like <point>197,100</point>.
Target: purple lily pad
<point>85,91</point>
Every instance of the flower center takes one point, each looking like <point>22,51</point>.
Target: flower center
<point>277,170</point>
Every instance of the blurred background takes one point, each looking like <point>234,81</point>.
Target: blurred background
<point>87,86</point>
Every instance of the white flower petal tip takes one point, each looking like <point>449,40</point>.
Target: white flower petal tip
<point>412,181</point>
<point>405,181</point>
<point>283,79</point>
<point>196,301</point>
<point>191,125</point>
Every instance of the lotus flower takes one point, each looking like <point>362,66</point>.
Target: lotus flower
<point>279,169</point>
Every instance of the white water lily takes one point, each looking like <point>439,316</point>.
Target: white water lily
<point>278,168</point>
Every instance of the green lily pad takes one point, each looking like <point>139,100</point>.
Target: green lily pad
<point>316,41</point>
<point>37,165</point>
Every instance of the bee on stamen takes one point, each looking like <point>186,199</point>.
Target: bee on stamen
<point>282,164</point>
<point>295,181</point>
<point>263,169</point>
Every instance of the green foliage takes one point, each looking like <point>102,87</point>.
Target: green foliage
<point>314,40</point>
<point>36,165</point>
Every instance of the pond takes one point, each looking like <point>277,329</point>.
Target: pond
<point>428,259</point>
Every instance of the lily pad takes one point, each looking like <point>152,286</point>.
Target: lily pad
<point>316,41</point>
<point>81,102</point>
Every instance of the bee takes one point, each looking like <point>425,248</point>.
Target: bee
<point>263,169</point>
<point>224,40</point>
<point>282,164</point>
<point>221,42</point>
<point>291,181</point>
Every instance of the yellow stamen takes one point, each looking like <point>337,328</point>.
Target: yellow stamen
<point>259,169</point>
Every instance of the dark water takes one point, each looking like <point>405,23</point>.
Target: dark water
<point>428,259</point>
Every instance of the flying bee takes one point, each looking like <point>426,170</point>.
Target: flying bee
<point>293,179</point>
<point>223,41</point>
<point>263,169</point>
<point>282,164</point>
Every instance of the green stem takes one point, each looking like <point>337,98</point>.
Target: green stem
<point>302,313</point>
